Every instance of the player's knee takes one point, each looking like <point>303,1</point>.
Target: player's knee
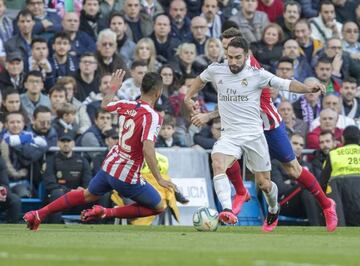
<point>293,169</point>
<point>89,197</point>
<point>218,166</point>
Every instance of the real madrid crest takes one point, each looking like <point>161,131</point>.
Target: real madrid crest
<point>59,174</point>
<point>244,82</point>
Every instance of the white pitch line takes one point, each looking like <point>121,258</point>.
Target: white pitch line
<point>54,257</point>
<point>287,263</point>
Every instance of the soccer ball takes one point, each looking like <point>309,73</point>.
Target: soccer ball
<point>205,219</point>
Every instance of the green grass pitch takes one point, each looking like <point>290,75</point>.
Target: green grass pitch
<point>104,245</point>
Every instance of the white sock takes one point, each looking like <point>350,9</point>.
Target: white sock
<point>272,198</point>
<point>223,190</point>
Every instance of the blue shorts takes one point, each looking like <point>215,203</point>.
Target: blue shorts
<point>279,144</point>
<point>142,193</point>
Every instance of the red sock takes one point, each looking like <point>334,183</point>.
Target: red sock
<point>308,181</point>
<point>234,175</point>
<point>67,201</point>
<point>131,211</point>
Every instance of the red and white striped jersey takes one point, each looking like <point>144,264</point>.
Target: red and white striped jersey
<point>138,121</point>
<point>269,114</point>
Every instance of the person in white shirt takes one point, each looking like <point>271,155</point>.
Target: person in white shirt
<point>239,88</point>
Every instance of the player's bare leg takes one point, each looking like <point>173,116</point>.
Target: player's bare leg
<point>220,162</point>
<point>270,192</point>
<point>309,182</point>
<point>127,212</point>
<point>67,201</point>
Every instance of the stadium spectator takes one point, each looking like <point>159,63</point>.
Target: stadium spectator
<point>167,137</point>
<point>65,120</point>
<point>39,61</point>
<point>108,7</point>
<point>145,51</point>
<point>228,8</point>
<point>66,170</point>
<point>33,97</point>
<point>350,104</point>
<point>20,149</point>
<point>273,8</point>
<point>302,68</point>
<point>308,106</point>
<point>350,42</point>
<point>198,30</point>
<point>269,49</point>
<point>345,10</point>
<point>6,24</point>
<point>333,101</point>
<point>327,142</point>
<point>47,21</point>
<point>91,21</point>
<point>165,44</point>
<point>250,21</point>
<point>57,97</point>
<point>94,136</point>
<point>152,7</point>
<point>180,23</point>
<point>62,62</point>
<point>125,46</point>
<point>210,11</point>
<point>309,46</point>
<point>87,81</point>
<point>285,70</point>
<point>61,7</point>
<point>107,58</point>
<point>325,25</point>
<point>323,70</point>
<point>13,75</point>
<point>21,41</point>
<point>80,41</point>
<point>41,125</point>
<point>287,21</point>
<point>130,89</point>
<point>184,62</point>
<point>169,79</point>
<point>11,103</point>
<point>302,204</point>
<point>328,119</point>
<point>293,124</point>
<point>93,101</point>
<point>81,118</point>
<point>9,202</point>
<point>208,134</point>
<point>342,175</point>
<point>139,22</point>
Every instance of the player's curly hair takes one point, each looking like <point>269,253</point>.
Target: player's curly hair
<point>239,42</point>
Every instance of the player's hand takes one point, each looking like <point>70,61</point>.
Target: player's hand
<point>117,79</point>
<point>167,184</point>
<point>200,119</point>
<point>315,87</point>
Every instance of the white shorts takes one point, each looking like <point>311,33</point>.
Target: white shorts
<point>256,151</point>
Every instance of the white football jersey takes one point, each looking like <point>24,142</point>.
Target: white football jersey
<point>239,97</point>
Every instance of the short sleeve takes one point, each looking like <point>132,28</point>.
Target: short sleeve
<point>206,75</point>
<point>268,79</point>
<point>151,126</point>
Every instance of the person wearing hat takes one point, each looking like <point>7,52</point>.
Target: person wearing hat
<point>13,74</point>
<point>341,176</point>
<point>66,170</point>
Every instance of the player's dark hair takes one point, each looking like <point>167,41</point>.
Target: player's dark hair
<point>34,73</point>
<point>228,24</point>
<point>41,109</point>
<point>231,33</point>
<point>151,82</point>
<point>239,42</point>
<point>351,135</point>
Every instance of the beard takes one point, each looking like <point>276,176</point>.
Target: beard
<point>236,69</point>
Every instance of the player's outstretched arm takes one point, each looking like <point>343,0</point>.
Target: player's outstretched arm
<point>115,84</point>
<point>150,157</point>
<point>298,87</point>
<point>196,86</point>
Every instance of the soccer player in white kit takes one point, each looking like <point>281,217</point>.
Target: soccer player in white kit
<point>239,89</point>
